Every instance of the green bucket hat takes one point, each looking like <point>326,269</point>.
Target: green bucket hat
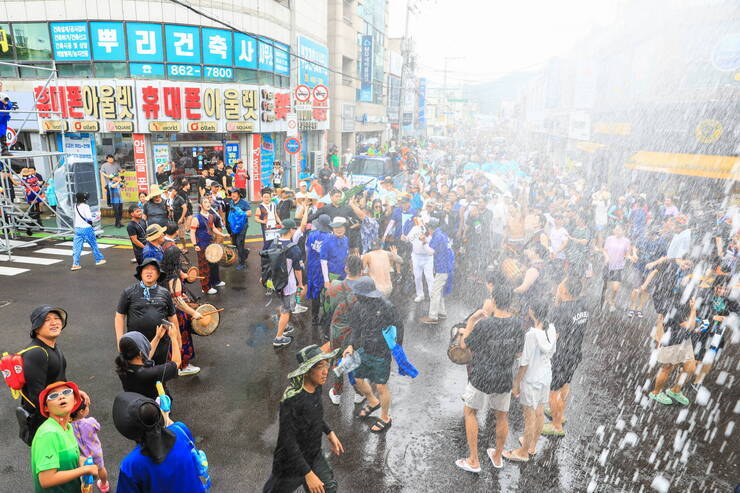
<point>307,358</point>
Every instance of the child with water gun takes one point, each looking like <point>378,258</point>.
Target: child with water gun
<point>86,430</point>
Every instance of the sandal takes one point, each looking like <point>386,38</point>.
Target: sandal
<point>521,442</point>
<point>490,453</point>
<point>508,455</point>
<point>463,464</point>
<point>367,410</point>
<point>382,425</point>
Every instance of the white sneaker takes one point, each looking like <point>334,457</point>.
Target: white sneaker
<point>100,262</point>
<point>133,260</point>
<point>300,309</point>
<point>221,284</point>
<point>334,398</point>
<point>75,267</point>
<point>419,299</point>
<point>212,291</point>
<point>188,370</point>
<point>359,397</point>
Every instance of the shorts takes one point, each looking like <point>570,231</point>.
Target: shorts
<point>532,395</point>
<point>663,303</point>
<point>562,375</point>
<point>373,368</point>
<point>475,399</point>
<point>676,354</point>
<point>613,275</point>
<point>287,303</point>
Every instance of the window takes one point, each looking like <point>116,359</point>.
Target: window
<point>32,41</point>
<point>74,70</point>
<point>348,66</point>
<point>283,82</point>
<point>6,71</point>
<point>111,70</point>
<point>6,43</point>
<point>32,73</point>
<point>247,76</point>
<point>266,78</point>
<point>347,11</point>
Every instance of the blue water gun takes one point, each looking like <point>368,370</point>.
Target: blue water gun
<point>164,401</point>
<point>87,479</point>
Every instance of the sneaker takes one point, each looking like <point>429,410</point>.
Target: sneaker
<point>289,329</point>
<point>300,309</point>
<point>678,397</point>
<point>104,488</point>
<point>359,398</point>
<point>334,398</point>
<point>221,284</point>
<point>640,314</point>
<point>75,267</point>
<point>239,267</point>
<point>212,291</point>
<point>188,370</point>
<point>269,292</point>
<point>419,299</point>
<point>133,260</point>
<point>631,313</point>
<point>100,262</point>
<point>662,398</point>
<point>429,321</point>
<point>281,341</point>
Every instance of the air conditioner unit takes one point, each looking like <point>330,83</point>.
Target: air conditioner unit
<point>316,160</point>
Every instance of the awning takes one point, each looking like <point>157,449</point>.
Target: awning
<point>589,146</point>
<point>723,167</point>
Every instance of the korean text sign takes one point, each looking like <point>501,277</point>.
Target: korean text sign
<point>314,72</point>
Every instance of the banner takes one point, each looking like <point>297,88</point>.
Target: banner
<point>421,119</point>
<point>366,68</point>
<point>312,74</point>
<point>130,190</point>
<point>161,154</point>
<point>142,182</point>
<point>267,150</point>
<point>256,164</point>
<point>231,153</point>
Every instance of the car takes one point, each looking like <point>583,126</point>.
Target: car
<point>369,170</point>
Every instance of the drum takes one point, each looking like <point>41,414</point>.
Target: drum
<point>214,253</point>
<point>458,355</point>
<point>230,256</point>
<point>511,269</point>
<point>209,323</point>
<point>192,274</point>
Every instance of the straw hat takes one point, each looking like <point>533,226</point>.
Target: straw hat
<point>154,191</point>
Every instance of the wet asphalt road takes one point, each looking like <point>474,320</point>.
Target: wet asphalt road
<point>232,405</point>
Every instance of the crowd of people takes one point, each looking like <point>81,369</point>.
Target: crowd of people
<point>529,247</point>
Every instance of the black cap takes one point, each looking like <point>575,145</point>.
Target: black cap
<point>38,315</point>
<point>144,263</point>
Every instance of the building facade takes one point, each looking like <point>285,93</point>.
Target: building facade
<point>151,82</point>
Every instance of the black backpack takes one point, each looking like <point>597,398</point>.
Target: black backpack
<point>275,265</point>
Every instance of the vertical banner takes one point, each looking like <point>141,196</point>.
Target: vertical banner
<point>142,182</point>
<point>421,119</point>
<point>256,165</point>
<point>231,153</point>
<point>161,154</point>
<point>366,68</point>
<point>267,160</point>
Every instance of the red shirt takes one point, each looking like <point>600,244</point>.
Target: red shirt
<point>240,178</point>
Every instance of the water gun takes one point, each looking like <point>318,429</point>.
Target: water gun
<point>201,462</point>
<point>88,479</point>
<point>163,400</point>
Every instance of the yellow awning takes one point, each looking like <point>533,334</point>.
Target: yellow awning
<point>589,146</point>
<point>724,167</point>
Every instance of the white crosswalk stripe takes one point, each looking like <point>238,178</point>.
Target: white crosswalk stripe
<point>29,260</point>
<point>59,251</point>
<point>69,244</point>
<point>11,271</point>
<point>53,253</point>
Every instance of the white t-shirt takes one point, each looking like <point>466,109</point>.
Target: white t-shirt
<point>558,237</point>
<point>539,346</point>
<point>418,247</point>
<point>600,212</point>
<point>82,212</point>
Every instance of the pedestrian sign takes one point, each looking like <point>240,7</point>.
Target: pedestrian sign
<point>292,145</point>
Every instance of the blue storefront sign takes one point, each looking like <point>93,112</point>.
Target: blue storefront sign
<point>266,55</point>
<point>313,72</point>
<point>282,59</point>
<point>366,68</point>
<point>151,70</point>
<point>231,153</point>
<point>245,51</point>
<point>144,42</point>
<point>218,47</point>
<point>183,44</point>
<point>71,41</point>
<point>179,71</point>
<point>108,41</point>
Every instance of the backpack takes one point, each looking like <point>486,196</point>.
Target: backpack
<point>237,219</point>
<point>275,266</point>
<point>13,374</point>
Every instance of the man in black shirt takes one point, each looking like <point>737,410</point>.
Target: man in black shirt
<point>570,318</point>
<point>136,230</point>
<point>298,460</point>
<point>144,305</point>
<point>325,177</point>
<point>494,342</point>
<point>43,364</point>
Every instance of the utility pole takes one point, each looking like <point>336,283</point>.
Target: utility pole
<point>405,48</point>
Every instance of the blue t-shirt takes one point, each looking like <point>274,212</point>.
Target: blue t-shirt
<point>444,259</point>
<point>176,474</point>
<point>403,221</point>
<point>152,251</point>
<point>115,195</point>
<point>314,278</point>
<point>334,250</point>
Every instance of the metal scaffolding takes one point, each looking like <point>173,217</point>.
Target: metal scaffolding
<point>14,218</point>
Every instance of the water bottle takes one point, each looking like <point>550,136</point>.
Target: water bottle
<point>347,364</point>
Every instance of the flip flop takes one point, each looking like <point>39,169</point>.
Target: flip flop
<point>521,442</point>
<point>463,464</point>
<point>490,453</point>
<point>549,430</point>
<point>382,425</point>
<point>514,458</point>
<point>367,410</point>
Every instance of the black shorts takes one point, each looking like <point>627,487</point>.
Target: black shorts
<point>663,303</point>
<point>562,373</point>
<point>613,275</point>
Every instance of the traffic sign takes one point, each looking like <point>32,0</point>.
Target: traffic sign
<point>11,136</point>
<point>292,145</point>
<point>302,93</point>
<point>321,93</point>
<point>292,123</point>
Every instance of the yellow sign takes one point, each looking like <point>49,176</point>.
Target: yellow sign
<point>53,125</point>
<point>85,126</point>
<point>201,126</point>
<point>130,191</point>
<point>240,126</point>
<point>708,131</point>
<point>164,126</point>
<point>119,126</point>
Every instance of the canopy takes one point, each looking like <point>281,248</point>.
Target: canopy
<point>707,166</point>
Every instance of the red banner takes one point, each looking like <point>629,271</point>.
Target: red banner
<point>142,183</point>
<point>256,172</point>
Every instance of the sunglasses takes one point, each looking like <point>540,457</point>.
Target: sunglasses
<point>56,395</point>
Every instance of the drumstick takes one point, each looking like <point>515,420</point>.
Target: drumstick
<point>212,312</point>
